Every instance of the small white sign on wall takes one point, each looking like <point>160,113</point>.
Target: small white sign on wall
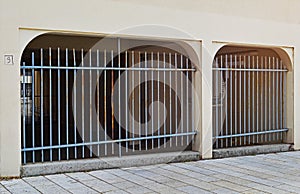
<point>8,59</point>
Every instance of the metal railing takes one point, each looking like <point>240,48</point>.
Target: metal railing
<point>96,103</point>
<point>249,100</point>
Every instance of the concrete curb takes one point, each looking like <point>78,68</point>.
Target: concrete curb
<point>251,150</point>
<point>107,163</point>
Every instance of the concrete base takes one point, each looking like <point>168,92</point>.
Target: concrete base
<point>251,150</point>
<point>107,163</point>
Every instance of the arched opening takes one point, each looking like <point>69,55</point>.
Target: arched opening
<point>249,96</point>
<point>85,97</point>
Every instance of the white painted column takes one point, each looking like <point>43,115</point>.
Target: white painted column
<point>203,86</point>
<point>10,131</point>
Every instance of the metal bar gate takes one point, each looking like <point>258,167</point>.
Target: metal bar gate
<point>249,100</point>
<point>91,103</point>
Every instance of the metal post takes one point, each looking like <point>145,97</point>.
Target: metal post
<point>25,101</point>
<point>105,105</point>
<point>126,94</point>
<point>33,107</point>
<point>42,107</point>
<point>67,103</point>
<point>170,97</point>
<point>82,104</point>
<point>50,102</point>
<point>75,104</point>
<point>165,115</point>
<point>58,101</point>
<point>90,102</point>
<point>146,103</point>
<point>119,97</point>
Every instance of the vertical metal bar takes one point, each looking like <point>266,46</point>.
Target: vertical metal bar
<point>231,103</point>
<point>269,101</point>
<point>240,100</point>
<point>181,92</point>
<point>58,102</point>
<point>276,94</point>
<point>266,99</point>
<point>25,104</point>
<point>152,99</point>
<point>253,98</point>
<point>75,104</point>
<point>90,102</point>
<point>187,100</point>
<point>226,106</point>
<point>50,102</point>
<point>67,103</point>
<point>146,103</point>
<point>176,93</point>
<point>170,97</point>
<point>193,103</point>
<point>216,73</point>
<point>262,91</point>
<point>139,102</point>
<point>158,97</point>
<point>273,100</point>
<point>133,99</point>
<point>223,90</point>
<point>257,99</point>
<point>245,100</point>
<point>42,106</point>
<point>98,103</point>
<point>119,97</point>
<point>105,105</point>
<point>235,100</point>
<point>284,100</point>
<point>165,124</point>
<point>112,102</point>
<point>280,99</point>
<point>82,104</point>
<point>126,94</point>
<point>33,107</point>
<point>249,99</point>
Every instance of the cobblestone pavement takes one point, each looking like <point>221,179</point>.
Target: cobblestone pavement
<point>271,173</point>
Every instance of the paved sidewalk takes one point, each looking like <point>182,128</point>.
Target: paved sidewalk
<point>271,173</point>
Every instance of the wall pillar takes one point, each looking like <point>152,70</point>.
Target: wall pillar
<point>10,134</point>
<point>203,87</point>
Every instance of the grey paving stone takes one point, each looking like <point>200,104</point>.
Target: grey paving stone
<point>193,167</point>
<point>225,191</point>
<point>236,187</point>
<point>81,176</point>
<point>106,176</point>
<point>201,184</point>
<point>262,181</point>
<point>191,189</point>
<point>285,181</point>
<point>254,191</point>
<point>138,189</point>
<point>173,183</point>
<point>124,184</point>
<point>268,189</point>
<point>100,186</point>
<point>18,186</point>
<point>271,173</point>
<point>3,190</point>
<point>116,192</point>
<point>70,184</point>
<point>289,188</point>
<point>44,185</point>
<point>160,188</point>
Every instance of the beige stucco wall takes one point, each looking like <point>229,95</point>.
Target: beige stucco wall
<point>261,22</point>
